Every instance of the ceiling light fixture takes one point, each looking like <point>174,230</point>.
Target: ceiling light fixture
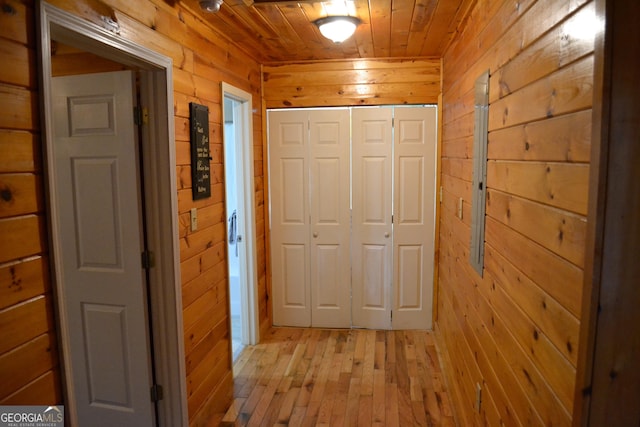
<point>337,28</point>
<point>210,5</point>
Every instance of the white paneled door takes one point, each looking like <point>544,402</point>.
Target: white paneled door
<point>413,216</point>
<point>289,178</point>
<point>330,216</point>
<point>99,224</point>
<point>309,175</point>
<point>371,217</point>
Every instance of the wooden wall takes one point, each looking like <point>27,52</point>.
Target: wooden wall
<point>29,368</point>
<point>608,383</point>
<point>515,330</point>
<point>202,58</point>
<point>69,61</point>
<point>352,83</point>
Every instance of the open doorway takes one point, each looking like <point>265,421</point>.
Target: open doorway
<point>233,238</point>
<point>104,319</point>
<point>240,211</point>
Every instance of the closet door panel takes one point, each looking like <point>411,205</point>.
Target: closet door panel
<point>414,213</point>
<point>330,218</point>
<point>371,217</point>
<point>289,186</point>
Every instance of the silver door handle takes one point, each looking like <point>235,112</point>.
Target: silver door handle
<point>386,235</point>
<point>315,234</point>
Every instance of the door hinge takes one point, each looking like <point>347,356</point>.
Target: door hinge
<point>147,260</point>
<point>140,115</point>
<point>156,393</point>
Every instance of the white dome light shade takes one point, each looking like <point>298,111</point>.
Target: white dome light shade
<point>211,6</point>
<point>337,28</point>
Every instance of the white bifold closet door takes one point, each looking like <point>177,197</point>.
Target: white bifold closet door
<point>289,177</point>
<point>393,219</point>
<point>369,265</point>
<point>372,247</point>
<point>414,158</point>
<point>310,217</point>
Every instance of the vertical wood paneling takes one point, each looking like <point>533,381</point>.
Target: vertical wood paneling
<point>516,328</point>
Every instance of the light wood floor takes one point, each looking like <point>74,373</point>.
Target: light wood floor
<point>313,377</point>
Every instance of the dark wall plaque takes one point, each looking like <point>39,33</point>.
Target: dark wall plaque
<point>200,154</point>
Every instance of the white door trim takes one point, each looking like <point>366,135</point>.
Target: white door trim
<point>246,204</point>
<point>160,196</point>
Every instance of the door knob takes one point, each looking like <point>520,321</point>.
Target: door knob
<point>315,234</point>
<point>386,235</point>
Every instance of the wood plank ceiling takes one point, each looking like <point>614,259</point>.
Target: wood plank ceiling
<point>274,32</point>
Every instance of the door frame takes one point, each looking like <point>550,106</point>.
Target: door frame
<point>391,286</point>
<point>159,170</point>
<point>246,204</point>
<point>606,387</point>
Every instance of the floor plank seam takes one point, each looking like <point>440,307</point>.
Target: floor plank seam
<point>337,377</point>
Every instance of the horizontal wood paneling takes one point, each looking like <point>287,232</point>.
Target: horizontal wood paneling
<point>20,108</point>
<point>566,91</point>
<point>28,355</point>
<point>22,237</point>
<point>17,22</point>
<point>42,390</point>
<point>23,280</point>
<point>357,82</point>
<point>22,322</point>
<point>561,185</point>
<point>209,279</point>
<point>515,330</point>
<point>19,151</point>
<point>562,139</point>
<point>27,362</point>
<point>506,357</point>
<point>555,229</point>
<point>558,277</point>
<point>554,49</point>
<point>20,194</point>
<point>19,56</point>
<point>560,325</point>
